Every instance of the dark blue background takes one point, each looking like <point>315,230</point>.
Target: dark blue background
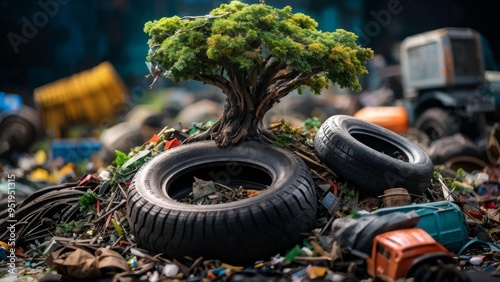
<point>83,33</point>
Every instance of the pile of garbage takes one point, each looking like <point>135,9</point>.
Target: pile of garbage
<point>79,230</point>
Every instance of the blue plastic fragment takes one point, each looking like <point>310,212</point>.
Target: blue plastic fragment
<point>216,271</point>
<point>3,254</point>
<point>10,102</point>
<point>490,268</point>
<point>330,202</point>
<point>300,273</point>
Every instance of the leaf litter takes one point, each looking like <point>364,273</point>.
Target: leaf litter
<point>212,193</point>
<point>105,224</point>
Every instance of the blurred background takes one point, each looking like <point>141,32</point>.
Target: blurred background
<point>47,40</point>
<point>81,34</point>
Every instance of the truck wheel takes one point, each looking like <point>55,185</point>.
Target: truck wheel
<point>420,269</point>
<point>371,156</point>
<point>235,232</point>
<point>437,123</point>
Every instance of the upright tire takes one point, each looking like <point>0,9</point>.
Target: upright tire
<point>371,156</point>
<point>437,123</point>
<point>236,232</point>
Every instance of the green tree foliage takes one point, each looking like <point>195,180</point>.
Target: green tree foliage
<point>256,54</point>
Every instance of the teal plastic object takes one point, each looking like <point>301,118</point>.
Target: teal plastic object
<point>444,221</point>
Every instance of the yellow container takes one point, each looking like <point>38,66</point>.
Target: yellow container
<point>392,118</point>
<point>86,97</point>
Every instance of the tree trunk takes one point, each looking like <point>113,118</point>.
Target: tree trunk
<point>238,122</point>
<point>249,96</point>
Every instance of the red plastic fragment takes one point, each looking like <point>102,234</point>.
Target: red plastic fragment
<point>88,180</point>
<point>154,139</point>
<point>334,186</point>
<point>171,143</point>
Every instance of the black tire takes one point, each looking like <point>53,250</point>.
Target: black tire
<point>457,145</point>
<point>474,126</point>
<point>360,152</point>
<point>421,268</point>
<point>469,164</point>
<point>437,123</point>
<point>236,232</point>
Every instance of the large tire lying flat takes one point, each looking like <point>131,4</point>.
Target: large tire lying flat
<point>236,232</point>
<point>365,154</point>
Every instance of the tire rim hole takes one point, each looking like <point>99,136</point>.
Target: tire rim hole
<point>231,174</point>
<point>381,146</point>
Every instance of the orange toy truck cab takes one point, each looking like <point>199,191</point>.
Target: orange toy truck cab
<point>398,254</point>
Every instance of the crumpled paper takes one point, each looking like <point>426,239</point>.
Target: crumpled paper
<point>77,263</point>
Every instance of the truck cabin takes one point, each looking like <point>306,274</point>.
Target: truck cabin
<point>394,253</point>
<point>441,59</point>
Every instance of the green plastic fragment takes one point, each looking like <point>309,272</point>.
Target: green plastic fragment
<point>295,252</point>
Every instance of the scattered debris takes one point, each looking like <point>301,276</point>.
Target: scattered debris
<point>86,220</point>
<point>211,193</point>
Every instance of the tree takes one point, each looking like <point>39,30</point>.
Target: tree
<point>257,55</point>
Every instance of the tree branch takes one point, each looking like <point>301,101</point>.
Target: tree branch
<point>206,16</point>
<point>266,104</point>
<point>237,97</point>
<point>275,93</point>
<point>293,84</point>
<point>191,29</point>
<point>242,80</point>
<point>238,79</point>
<point>252,80</point>
<point>286,76</point>
<point>272,67</point>
<point>215,80</point>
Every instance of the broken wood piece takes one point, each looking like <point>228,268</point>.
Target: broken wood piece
<point>309,160</point>
<point>318,248</point>
<point>184,269</point>
<point>110,211</point>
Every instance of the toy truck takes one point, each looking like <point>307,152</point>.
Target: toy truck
<point>400,254</point>
<point>442,73</point>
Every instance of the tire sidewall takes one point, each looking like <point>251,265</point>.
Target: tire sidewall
<point>367,167</point>
<point>156,174</point>
<point>235,232</point>
<point>346,126</point>
<point>440,120</point>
